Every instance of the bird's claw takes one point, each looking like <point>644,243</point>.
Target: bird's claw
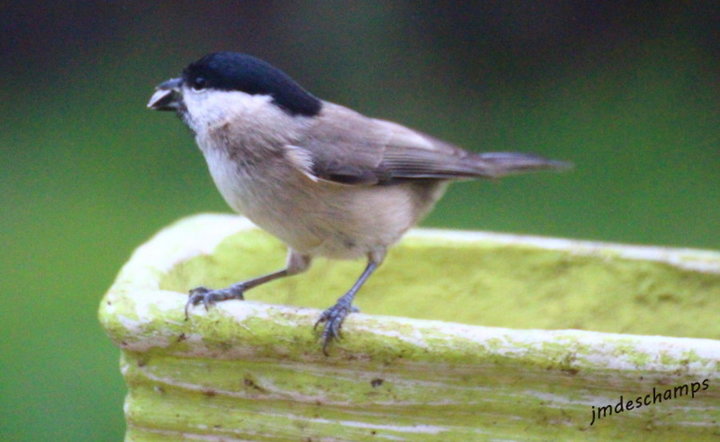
<point>209,297</point>
<point>333,318</point>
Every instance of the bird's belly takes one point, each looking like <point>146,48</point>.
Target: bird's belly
<point>322,221</point>
<point>320,218</point>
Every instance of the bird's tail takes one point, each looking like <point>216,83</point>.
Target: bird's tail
<point>499,164</point>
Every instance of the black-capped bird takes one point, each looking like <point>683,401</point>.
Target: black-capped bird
<point>326,180</point>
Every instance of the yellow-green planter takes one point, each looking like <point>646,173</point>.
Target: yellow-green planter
<point>491,337</point>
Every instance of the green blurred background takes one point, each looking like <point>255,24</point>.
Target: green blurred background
<point>629,91</point>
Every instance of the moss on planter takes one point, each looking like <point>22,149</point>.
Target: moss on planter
<point>480,283</point>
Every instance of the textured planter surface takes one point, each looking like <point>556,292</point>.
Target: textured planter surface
<point>254,369</point>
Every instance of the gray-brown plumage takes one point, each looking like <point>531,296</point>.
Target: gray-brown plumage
<point>323,178</point>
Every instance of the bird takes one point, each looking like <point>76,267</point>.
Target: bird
<point>326,180</point>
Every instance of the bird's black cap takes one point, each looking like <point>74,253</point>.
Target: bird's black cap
<point>232,71</point>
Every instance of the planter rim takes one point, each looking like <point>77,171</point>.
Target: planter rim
<point>139,316</point>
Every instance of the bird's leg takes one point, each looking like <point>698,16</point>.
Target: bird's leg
<point>296,263</point>
<point>334,316</point>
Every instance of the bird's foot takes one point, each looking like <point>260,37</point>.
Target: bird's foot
<point>333,318</point>
<point>209,297</point>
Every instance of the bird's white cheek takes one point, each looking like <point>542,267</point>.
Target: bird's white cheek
<point>208,109</point>
<point>201,111</point>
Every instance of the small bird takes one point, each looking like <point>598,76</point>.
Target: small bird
<point>326,180</point>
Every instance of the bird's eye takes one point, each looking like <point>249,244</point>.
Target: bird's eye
<point>199,83</point>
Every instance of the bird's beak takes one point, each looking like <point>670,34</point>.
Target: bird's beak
<point>167,96</point>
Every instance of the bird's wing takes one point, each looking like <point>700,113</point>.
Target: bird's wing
<point>348,148</point>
